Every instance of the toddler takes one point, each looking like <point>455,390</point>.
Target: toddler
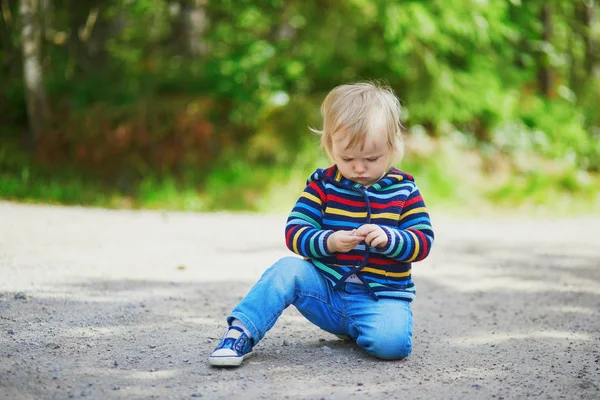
<point>358,226</point>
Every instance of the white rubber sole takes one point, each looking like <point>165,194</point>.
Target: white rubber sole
<point>228,361</point>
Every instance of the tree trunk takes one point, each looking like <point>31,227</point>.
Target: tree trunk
<point>544,70</point>
<point>188,27</point>
<point>32,69</point>
<point>197,26</point>
<point>588,16</point>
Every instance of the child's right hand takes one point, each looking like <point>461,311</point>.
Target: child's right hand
<point>343,241</point>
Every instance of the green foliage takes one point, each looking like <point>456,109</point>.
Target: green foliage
<point>206,104</point>
<point>568,192</point>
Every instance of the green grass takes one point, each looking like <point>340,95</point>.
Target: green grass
<point>567,193</point>
<point>451,179</point>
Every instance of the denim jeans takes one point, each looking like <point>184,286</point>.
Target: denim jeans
<point>382,328</point>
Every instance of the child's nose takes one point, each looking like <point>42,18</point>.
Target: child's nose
<point>359,166</point>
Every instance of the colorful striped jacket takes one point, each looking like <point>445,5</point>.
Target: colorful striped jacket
<point>331,202</point>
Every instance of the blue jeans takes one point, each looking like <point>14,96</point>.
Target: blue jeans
<point>382,328</point>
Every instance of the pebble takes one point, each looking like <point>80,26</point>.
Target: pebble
<point>20,296</point>
<point>197,394</point>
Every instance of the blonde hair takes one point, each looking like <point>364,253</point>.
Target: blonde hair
<point>358,110</point>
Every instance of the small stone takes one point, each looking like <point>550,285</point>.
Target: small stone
<point>197,394</point>
<point>285,342</point>
<point>20,296</point>
<point>10,332</point>
<point>115,387</point>
<point>327,349</point>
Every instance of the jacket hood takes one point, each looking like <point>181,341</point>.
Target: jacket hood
<point>333,175</point>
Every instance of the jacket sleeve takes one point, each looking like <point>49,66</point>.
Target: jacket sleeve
<point>412,240</point>
<point>303,232</point>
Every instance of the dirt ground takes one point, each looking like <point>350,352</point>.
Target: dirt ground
<point>128,305</point>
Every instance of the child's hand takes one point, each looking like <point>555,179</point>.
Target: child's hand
<point>373,234</point>
<point>343,241</point>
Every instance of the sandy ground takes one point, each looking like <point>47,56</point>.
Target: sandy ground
<point>128,305</point>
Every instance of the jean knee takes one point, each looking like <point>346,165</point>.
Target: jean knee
<point>290,267</point>
<point>388,348</point>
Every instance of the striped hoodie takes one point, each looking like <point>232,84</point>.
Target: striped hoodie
<point>331,202</point>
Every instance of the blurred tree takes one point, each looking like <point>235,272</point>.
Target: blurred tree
<point>467,65</point>
<point>544,67</point>
<point>189,23</point>
<point>10,48</point>
<point>31,20</point>
<point>583,25</point>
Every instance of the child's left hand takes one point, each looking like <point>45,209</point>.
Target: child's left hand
<point>373,234</point>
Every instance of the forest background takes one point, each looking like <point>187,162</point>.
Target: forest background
<point>206,105</point>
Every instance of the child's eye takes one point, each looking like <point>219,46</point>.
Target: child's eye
<point>346,159</point>
<point>372,159</point>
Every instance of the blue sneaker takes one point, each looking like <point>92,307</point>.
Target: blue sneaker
<point>235,346</point>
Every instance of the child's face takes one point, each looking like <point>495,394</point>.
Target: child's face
<point>364,163</point>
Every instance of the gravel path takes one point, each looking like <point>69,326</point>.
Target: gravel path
<point>128,305</point>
